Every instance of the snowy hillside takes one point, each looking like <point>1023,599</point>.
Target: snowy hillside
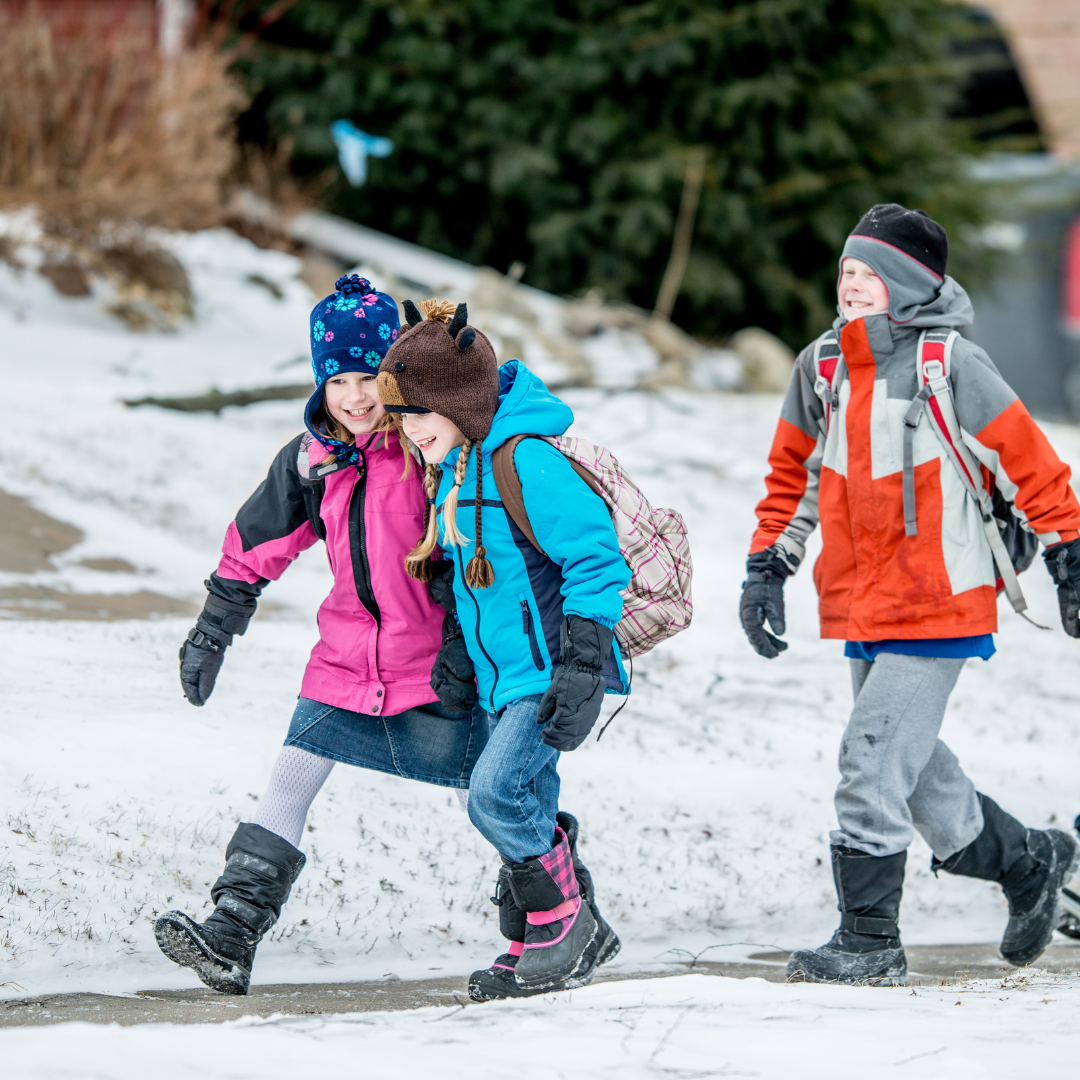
<point>705,808</point>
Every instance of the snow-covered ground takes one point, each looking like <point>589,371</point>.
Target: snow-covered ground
<point>705,809</point>
<point>686,1028</point>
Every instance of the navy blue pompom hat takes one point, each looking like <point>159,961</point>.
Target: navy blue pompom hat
<point>351,330</point>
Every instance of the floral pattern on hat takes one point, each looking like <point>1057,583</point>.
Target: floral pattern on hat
<point>338,342</point>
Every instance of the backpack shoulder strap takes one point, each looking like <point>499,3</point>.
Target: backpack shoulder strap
<point>934,353</point>
<point>508,484</point>
<point>828,373</point>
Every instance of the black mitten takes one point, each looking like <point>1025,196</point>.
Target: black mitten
<point>203,651</point>
<point>572,702</point>
<point>453,677</point>
<point>1063,562</point>
<point>763,598</point>
<point>441,586</point>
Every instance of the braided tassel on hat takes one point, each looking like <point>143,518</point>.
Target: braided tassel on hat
<point>479,573</point>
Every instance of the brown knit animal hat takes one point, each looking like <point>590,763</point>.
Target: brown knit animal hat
<point>442,365</point>
<point>439,364</point>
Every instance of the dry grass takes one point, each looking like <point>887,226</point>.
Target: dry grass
<point>96,127</point>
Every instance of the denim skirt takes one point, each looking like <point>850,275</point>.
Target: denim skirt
<point>426,743</point>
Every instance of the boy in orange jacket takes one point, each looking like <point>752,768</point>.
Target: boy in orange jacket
<point>907,578</point>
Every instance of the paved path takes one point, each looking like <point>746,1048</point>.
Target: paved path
<point>929,965</point>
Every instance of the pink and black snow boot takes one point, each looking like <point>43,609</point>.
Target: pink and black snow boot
<point>260,868</point>
<point>498,980</point>
<point>559,925</point>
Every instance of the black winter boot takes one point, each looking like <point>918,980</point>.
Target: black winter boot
<point>560,950</point>
<point>866,949</point>
<point>1031,865</point>
<point>260,868</point>
<point>498,980</point>
<point>1070,902</point>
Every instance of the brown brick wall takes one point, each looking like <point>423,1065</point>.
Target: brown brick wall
<point>1044,36</point>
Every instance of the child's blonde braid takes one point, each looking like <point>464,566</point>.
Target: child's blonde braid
<point>451,535</point>
<point>479,573</point>
<point>418,561</point>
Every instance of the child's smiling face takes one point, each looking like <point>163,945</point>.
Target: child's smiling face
<point>860,291</point>
<point>352,400</point>
<point>432,434</point>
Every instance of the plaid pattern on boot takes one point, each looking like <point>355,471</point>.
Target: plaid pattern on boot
<point>559,863</point>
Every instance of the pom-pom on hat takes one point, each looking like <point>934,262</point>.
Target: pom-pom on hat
<point>907,249</point>
<point>440,364</point>
<point>351,330</point>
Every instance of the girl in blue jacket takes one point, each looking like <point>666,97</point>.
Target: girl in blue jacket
<point>535,628</point>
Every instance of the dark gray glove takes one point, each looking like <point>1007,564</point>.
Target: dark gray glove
<point>1063,562</point>
<point>763,598</point>
<point>571,703</point>
<point>453,677</point>
<point>203,651</point>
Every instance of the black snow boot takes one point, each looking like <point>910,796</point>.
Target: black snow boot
<point>260,868</point>
<point>866,949</point>
<point>1070,902</point>
<point>560,951</point>
<point>1031,865</point>
<point>498,980</point>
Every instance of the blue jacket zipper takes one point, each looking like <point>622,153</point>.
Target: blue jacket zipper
<point>527,628</point>
<point>479,641</point>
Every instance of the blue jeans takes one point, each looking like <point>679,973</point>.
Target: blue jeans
<point>514,794</point>
<point>427,743</point>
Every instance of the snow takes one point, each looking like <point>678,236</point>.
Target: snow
<point>686,1027</point>
<point>705,808</point>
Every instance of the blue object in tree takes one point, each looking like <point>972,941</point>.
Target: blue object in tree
<point>354,146</point>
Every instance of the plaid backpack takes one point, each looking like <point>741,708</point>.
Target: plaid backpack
<point>657,602</point>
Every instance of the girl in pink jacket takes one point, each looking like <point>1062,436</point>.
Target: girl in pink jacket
<point>366,697</point>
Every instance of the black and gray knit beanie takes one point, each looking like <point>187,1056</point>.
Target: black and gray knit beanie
<point>907,249</point>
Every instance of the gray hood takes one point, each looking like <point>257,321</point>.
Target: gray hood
<point>950,308</point>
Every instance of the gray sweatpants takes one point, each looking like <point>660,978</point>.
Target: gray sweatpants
<point>896,774</point>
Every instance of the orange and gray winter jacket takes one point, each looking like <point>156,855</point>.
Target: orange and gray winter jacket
<point>873,581</point>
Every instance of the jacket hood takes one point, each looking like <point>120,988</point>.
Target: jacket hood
<point>950,308</point>
<point>526,407</point>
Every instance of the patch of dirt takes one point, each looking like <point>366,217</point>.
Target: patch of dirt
<point>28,537</point>
<point>109,566</point>
<point>42,602</point>
<point>68,278</point>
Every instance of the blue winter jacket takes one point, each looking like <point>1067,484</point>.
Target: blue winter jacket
<point>512,629</point>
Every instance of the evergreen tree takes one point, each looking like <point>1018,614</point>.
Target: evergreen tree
<point>557,133</point>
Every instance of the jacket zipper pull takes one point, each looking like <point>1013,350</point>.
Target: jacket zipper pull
<point>526,617</point>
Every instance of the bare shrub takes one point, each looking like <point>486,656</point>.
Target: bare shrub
<point>96,126</point>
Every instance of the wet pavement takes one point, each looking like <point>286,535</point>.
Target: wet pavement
<point>929,965</point>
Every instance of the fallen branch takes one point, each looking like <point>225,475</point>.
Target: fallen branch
<point>214,400</point>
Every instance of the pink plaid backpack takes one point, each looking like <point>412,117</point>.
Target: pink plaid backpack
<point>657,602</point>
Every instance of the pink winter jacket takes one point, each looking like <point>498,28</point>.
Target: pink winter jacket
<point>379,630</point>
